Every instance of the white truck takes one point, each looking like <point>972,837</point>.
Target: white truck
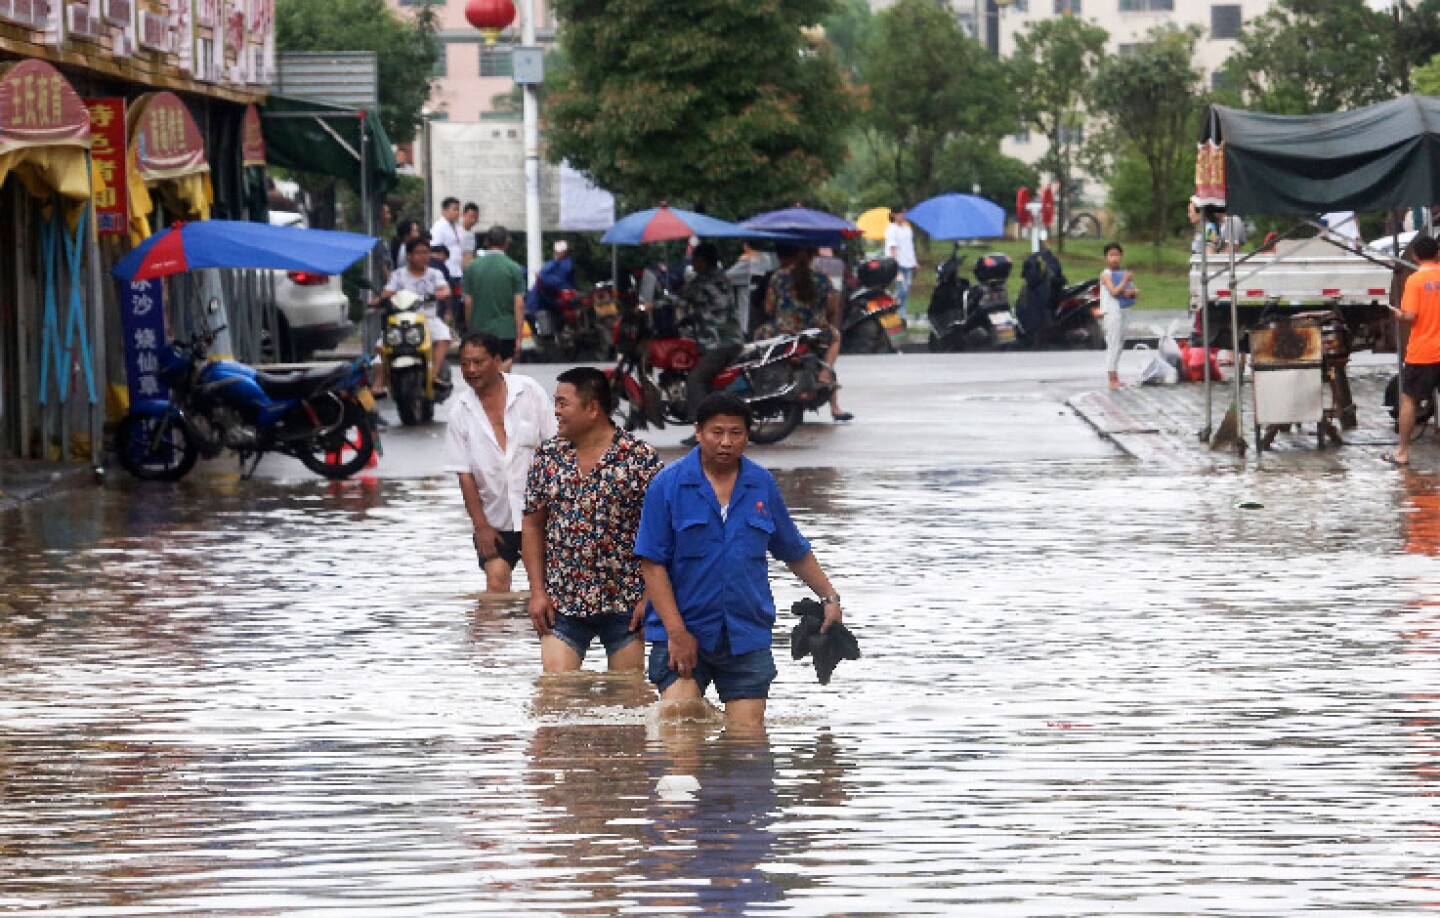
<point>1302,275</point>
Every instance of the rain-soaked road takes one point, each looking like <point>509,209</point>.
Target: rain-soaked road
<point>1090,688</point>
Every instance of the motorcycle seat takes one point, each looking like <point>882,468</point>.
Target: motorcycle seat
<point>302,383</point>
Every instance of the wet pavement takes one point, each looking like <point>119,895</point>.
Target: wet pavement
<point>1091,686</point>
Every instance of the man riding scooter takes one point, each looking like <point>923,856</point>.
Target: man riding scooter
<point>429,285</point>
<point>714,317</point>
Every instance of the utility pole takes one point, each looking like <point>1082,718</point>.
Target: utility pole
<point>533,248</point>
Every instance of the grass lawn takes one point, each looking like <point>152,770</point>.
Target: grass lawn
<point>1162,275</point>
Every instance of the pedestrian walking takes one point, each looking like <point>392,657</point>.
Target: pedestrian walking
<point>1117,295</point>
<point>495,294</point>
<point>469,216</point>
<point>446,232</point>
<point>497,422</point>
<point>1420,307</point>
<point>900,245</point>
<point>583,500</point>
<point>709,522</point>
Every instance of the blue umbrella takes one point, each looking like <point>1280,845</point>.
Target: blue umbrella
<point>802,224</point>
<point>664,222</point>
<point>958,216</point>
<point>238,244</point>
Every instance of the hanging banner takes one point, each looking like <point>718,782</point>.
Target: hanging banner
<point>252,138</point>
<point>39,107</point>
<point>166,139</point>
<point>107,153</point>
<point>142,315</point>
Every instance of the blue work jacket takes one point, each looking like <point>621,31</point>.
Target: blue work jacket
<point>718,567</point>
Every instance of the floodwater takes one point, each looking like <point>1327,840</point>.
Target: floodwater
<point>1088,689</point>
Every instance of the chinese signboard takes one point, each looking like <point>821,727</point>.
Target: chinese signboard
<point>252,138</point>
<point>167,143</point>
<point>107,152</point>
<point>38,107</point>
<point>143,318</point>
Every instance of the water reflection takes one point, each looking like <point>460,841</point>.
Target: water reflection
<point>1086,690</point>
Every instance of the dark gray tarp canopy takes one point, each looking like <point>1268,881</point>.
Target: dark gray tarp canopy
<point>1374,158</point>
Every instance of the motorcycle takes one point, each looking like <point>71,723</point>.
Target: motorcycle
<point>322,416</point>
<point>871,323</point>
<point>970,317</point>
<point>778,377</point>
<point>405,352</point>
<point>578,327</point>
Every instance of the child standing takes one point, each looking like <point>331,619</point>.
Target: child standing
<point>1117,295</point>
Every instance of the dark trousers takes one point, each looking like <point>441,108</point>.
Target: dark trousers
<point>697,384</point>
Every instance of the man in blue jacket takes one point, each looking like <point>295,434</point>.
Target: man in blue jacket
<point>708,523</point>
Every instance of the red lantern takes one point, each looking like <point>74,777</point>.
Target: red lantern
<point>1047,206</point>
<point>1022,207</point>
<point>490,17</point>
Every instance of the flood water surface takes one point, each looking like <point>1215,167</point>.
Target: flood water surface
<point>1087,689</point>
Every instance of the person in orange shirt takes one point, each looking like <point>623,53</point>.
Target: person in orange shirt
<point>1420,306</point>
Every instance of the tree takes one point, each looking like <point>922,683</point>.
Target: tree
<point>1053,70</point>
<point>724,105</point>
<point>1150,98</point>
<point>1133,199</point>
<point>934,93</point>
<point>1314,56</point>
<point>405,49</point>
<point>847,28</point>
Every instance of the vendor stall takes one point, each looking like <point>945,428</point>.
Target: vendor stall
<point>1250,163</point>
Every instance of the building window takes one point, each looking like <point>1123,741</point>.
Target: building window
<point>1021,6</point>
<point>1072,133</point>
<point>1147,6</point>
<point>1022,135</point>
<point>496,62</point>
<point>1225,20</point>
<point>1218,81</point>
<point>442,63</point>
<point>1127,48</point>
<point>1067,6</point>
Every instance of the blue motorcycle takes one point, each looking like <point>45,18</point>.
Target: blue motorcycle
<point>324,417</point>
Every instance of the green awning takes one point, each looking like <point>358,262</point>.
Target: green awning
<point>1374,158</point>
<point>328,142</point>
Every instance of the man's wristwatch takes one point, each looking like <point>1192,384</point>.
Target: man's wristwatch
<point>832,599</point>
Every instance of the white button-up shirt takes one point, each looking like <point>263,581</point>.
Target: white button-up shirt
<point>471,446</point>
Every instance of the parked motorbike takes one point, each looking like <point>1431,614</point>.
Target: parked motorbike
<point>973,317</point>
<point>1055,313</point>
<point>576,327</point>
<point>778,377</point>
<point>405,351</point>
<point>321,416</point>
<point>871,322</point>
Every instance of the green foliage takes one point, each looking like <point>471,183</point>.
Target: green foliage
<point>719,104</point>
<point>406,49</point>
<point>935,96</point>
<point>1135,205</point>
<point>1314,56</point>
<point>1053,69</point>
<point>1151,98</point>
<point>847,28</point>
<point>1426,78</point>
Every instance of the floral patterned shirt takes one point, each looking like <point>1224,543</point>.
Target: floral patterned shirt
<point>792,314</point>
<point>591,522</point>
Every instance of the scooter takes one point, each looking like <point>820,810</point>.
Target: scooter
<point>576,327</point>
<point>778,377</point>
<point>871,323</point>
<point>973,317</point>
<point>323,416</point>
<point>405,352</point>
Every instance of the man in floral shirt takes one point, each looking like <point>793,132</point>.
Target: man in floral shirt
<point>582,511</point>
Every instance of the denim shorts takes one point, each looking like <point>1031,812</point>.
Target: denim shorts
<point>578,631</point>
<point>736,678</point>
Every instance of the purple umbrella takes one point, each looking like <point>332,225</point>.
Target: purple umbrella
<point>803,225</point>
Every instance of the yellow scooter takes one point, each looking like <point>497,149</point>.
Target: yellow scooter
<point>405,352</point>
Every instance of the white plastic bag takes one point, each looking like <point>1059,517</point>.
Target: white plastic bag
<point>1158,372</point>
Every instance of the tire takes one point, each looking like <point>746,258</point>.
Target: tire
<point>409,395</point>
<point>1095,332</point>
<point>777,426</point>
<point>172,458</point>
<point>1083,225</point>
<point>866,338</point>
<point>627,414</point>
<point>343,453</point>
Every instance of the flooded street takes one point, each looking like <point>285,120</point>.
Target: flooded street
<point>1089,687</point>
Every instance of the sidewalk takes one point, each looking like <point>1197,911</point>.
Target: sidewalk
<point>24,481</point>
<point>1161,424</point>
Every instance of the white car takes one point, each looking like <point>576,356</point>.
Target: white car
<point>314,311</point>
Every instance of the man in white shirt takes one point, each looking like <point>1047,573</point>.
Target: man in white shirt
<point>900,245</point>
<point>446,232</point>
<point>497,421</point>
<point>469,216</point>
